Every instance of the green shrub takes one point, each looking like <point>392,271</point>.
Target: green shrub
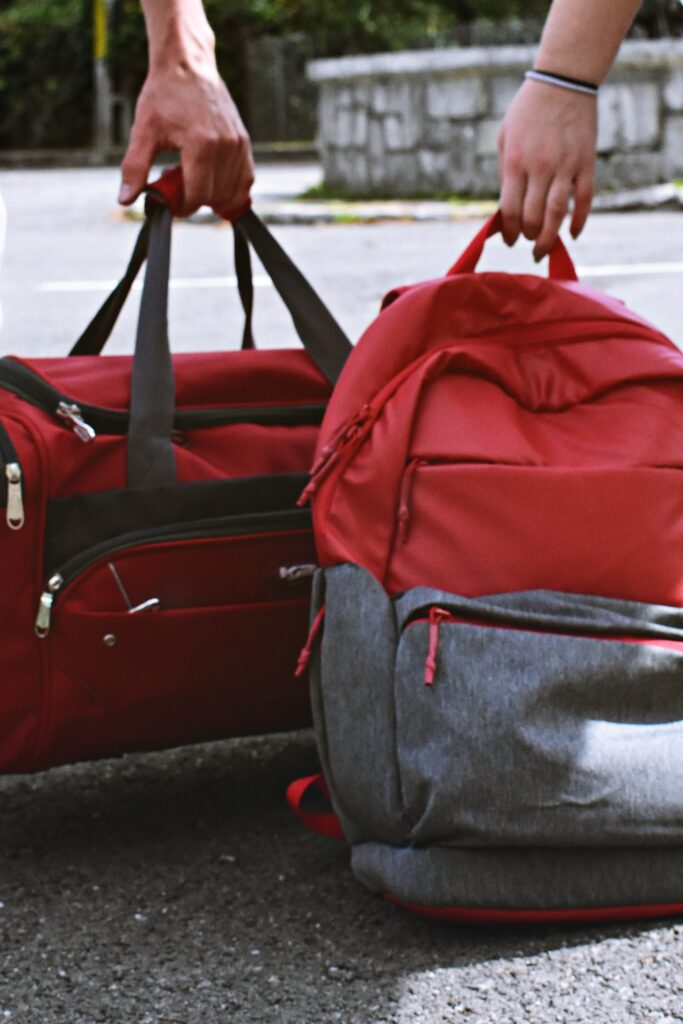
<point>45,73</point>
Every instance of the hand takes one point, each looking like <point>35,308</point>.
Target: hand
<point>547,155</point>
<point>187,107</point>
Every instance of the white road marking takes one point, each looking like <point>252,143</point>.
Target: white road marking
<point>260,281</point>
<point>630,269</point>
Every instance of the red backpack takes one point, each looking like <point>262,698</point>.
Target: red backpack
<point>498,508</point>
<point>497,432</point>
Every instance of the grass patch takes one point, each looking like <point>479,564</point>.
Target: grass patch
<point>325,193</point>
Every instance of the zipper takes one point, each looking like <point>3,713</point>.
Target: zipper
<point>404,501</point>
<point>437,616</point>
<point>14,508</point>
<point>262,522</point>
<point>53,585</point>
<point>307,649</point>
<point>71,414</point>
<point>88,420</point>
<point>346,440</point>
<point>296,573</point>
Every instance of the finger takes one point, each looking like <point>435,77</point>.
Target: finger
<point>198,160</point>
<point>533,213</point>
<point>136,163</point>
<point>512,189</point>
<point>234,175</point>
<point>583,198</point>
<point>556,206</point>
<point>512,193</point>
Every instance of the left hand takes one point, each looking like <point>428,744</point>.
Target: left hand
<point>547,147</point>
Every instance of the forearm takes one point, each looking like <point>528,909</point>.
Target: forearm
<point>581,37</point>
<point>177,30</point>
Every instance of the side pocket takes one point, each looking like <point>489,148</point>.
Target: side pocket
<point>353,699</point>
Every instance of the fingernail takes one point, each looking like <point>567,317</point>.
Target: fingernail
<point>126,193</point>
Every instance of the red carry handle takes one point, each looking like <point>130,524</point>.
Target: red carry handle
<point>169,189</point>
<point>325,823</point>
<point>561,265</point>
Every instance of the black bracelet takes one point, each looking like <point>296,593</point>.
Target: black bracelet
<point>563,81</point>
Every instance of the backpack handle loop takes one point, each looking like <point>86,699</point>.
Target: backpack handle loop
<point>561,265</point>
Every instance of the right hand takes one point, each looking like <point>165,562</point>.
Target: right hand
<point>189,108</point>
<point>547,149</point>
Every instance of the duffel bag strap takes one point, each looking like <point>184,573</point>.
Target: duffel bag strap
<point>151,458</point>
<point>319,332</point>
<point>96,334</point>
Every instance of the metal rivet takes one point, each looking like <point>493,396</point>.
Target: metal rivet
<point>109,639</point>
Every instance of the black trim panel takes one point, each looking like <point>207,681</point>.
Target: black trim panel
<point>83,521</point>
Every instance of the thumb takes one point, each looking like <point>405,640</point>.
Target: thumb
<point>135,166</point>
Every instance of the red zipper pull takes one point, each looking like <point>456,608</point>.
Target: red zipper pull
<point>436,615</point>
<point>404,500</point>
<point>307,649</point>
<point>329,454</point>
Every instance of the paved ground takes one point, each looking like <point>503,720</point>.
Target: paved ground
<point>175,887</point>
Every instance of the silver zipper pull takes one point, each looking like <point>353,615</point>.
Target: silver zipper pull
<point>71,414</point>
<point>15,500</point>
<point>42,625</point>
<point>295,573</point>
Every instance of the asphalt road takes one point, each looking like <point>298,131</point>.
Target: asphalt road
<point>175,887</point>
<point>67,241</point>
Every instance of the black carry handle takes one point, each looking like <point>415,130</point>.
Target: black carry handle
<point>97,333</point>
<point>151,457</point>
<point>319,332</point>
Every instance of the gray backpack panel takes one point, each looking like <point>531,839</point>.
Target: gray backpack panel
<point>544,766</point>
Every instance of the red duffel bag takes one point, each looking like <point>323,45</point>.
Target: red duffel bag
<point>156,569</point>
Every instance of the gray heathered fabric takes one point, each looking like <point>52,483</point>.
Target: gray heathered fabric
<point>526,739</point>
<point>531,739</point>
<point>522,878</point>
<point>351,681</point>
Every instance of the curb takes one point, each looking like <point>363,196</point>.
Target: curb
<point>313,213</point>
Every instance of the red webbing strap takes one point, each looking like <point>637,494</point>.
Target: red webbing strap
<point>325,823</point>
<point>561,265</point>
<point>169,187</point>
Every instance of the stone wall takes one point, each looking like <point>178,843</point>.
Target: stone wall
<point>427,121</point>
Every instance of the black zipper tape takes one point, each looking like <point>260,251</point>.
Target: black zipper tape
<point>21,381</point>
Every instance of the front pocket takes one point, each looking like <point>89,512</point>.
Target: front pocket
<point>530,737</point>
<point>477,528</point>
<point>177,642</point>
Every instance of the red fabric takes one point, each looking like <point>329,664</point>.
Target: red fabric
<point>517,433</point>
<point>170,187</point>
<point>578,915</point>
<point>324,823</point>
<point>218,657</point>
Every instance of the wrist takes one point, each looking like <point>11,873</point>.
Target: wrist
<point>565,82</point>
<point>179,34</point>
